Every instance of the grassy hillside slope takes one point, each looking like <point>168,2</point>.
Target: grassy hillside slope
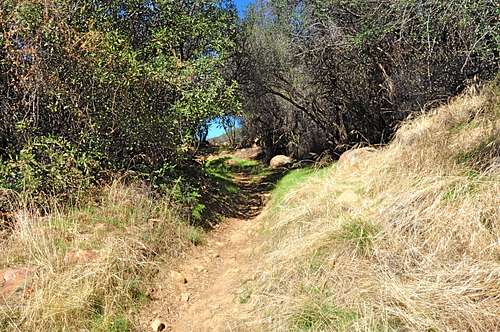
<point>90,267</point>
<point>406,239</point>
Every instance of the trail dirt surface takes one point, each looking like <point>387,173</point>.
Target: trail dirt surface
<point>214,299</point>
<point>204,292</point>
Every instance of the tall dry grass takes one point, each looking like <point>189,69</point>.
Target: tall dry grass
<point>129,233</point>
<point>408,240</point>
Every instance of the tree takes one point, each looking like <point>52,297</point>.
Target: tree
<point>322,75</point>
<point>126,82</point>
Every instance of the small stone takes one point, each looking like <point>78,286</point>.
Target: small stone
<point>185,297</point>
<point>199,268</point>
<point>280,161</point>
<point>14,280</point>
<point>158,326</point>
<point>178,277</point>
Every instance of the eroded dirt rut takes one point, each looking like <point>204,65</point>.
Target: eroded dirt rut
<point>216,299</point>
<point>206,291</point>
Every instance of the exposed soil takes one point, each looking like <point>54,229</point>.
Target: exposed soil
<point>204,292</point>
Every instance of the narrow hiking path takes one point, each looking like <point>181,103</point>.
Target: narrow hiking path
<point>213,300</point>
<point>204,292</point>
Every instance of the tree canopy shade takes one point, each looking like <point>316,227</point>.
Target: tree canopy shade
<point>120,84</point>
<point>326,75</point>
<point>91,86</point>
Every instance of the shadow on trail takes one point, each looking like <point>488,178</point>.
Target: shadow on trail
<point>241,187</point>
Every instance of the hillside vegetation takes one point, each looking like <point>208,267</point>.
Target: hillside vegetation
<point>90,267</point>
<point>325,75</point>
<point>110,193</point>
<point>95,88</point>
<point>404,238</point>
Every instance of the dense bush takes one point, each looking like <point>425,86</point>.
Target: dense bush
<point>49,166</point>
<point>322,75</point>
<point>126,83</point>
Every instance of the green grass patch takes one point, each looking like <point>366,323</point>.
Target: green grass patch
<point>293,179</point>
<point>464,157</point>
<point>231,188</point>
<point>464,126</point>
<point>225,167</point>
<point>322,315</point>
<point>360,234</point>
<point>243,164</point>
<point>458,190</point>
<point>110,324</point>
<point>450,195</point>
<point>478,153</point>
<point>218,169</point>
<point>316,261</point>
<point>245,294</point>
<point>196,235</point>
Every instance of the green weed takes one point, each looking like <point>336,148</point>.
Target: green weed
<point>245,294</point>
<point>360,234</point>
<point>322,315</point>
<point>197,211</point>
<point>196,235</point>
<point>231,188</point>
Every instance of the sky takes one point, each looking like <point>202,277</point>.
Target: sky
<point>215,130</point>
<point>242,4</point>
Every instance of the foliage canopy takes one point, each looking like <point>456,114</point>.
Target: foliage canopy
<point>326,75</point>
<point>126,83</point>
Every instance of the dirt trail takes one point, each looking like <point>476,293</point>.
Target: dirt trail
<point>214,295</point>
<point>203,293</point>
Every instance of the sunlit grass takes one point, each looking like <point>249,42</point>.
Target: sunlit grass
<point>405,239</point>
<point>126,232</point>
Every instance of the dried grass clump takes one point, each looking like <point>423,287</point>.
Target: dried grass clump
<point>129,232</point>
<point>409,240</point>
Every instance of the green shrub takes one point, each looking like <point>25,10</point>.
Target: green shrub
<point>196,235</point>
<point>49,166</point>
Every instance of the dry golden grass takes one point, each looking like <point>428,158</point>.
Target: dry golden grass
<point>409,240</point>
<point>130,233</point>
